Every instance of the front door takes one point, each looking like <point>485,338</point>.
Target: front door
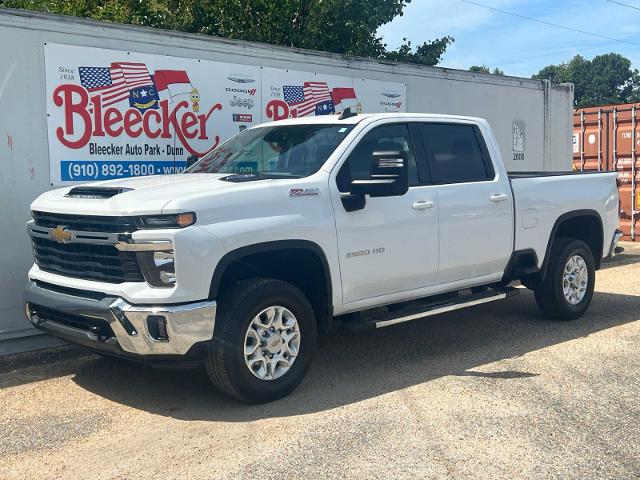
<point>391,245</point>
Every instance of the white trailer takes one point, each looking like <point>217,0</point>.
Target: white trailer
<point>66,116</point>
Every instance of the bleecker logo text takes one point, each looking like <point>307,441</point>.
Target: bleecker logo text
<point>94,120</point>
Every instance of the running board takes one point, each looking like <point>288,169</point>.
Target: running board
<point>428,309</point>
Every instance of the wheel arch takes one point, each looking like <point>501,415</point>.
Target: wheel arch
<point>585,225</point>
<point>299,262</point>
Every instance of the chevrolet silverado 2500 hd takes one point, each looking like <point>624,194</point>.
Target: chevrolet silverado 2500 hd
<point>289,227</point>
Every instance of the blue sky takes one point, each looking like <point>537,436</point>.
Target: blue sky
<point>517,46</point>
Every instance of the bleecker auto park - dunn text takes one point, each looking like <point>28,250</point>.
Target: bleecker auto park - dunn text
<point>99,122</point>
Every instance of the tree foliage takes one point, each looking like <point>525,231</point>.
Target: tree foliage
<point>606,79</point>
<point>485,69</point>
<point>429,53</point>
<point>338,26</point>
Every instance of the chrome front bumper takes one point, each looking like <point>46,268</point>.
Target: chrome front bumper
<point>112,324</point>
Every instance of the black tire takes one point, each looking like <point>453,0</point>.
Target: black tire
<point>549,293</point>
<point>225,362</point>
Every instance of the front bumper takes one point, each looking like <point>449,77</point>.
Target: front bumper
<point>112,325</point>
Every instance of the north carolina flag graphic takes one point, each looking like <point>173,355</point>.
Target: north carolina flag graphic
<point>175,82</point>
<point>344,98</point>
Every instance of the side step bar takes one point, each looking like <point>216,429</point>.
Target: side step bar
<point>415,312</point>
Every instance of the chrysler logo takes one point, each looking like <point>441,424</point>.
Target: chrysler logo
<point>60,234</point>
<point>241,79</point>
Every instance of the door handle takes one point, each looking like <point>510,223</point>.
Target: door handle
<point>423,205</point>
<point>498,197</point>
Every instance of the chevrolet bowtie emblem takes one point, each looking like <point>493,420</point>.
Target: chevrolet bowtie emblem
<point>60,234</point>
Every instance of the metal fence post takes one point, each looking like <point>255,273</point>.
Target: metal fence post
<point>633,172</point>
<point>582,141</point>
<point>615,139</point>
<point>599,137</point>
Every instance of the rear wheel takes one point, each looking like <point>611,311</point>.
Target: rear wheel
<point>264,340</point>
<point>567,289</point>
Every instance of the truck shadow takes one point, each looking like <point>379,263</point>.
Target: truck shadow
<point>626,258</point>
<point>349,368</point>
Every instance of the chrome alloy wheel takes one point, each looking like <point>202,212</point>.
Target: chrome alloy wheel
<point>575,279</point>
<point>272,343</point>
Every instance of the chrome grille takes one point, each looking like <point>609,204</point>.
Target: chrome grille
<point>99,261</point>
<point>87,261</point>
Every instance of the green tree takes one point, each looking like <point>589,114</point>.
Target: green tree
<point>338,26</point>
<point>429,53</point>
<point>605,79</point>
<point>485,69</point>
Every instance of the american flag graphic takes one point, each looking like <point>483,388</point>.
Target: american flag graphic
<point>308,97</point>
<point>113,83</point>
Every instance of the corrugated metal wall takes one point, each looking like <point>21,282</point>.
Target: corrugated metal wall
<point>608,138</point>
<point>541,113</point>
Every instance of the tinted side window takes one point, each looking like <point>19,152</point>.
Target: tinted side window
<point>454,153</point>
<point>386,137</point>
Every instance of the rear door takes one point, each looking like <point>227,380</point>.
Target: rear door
<point>475,203</point>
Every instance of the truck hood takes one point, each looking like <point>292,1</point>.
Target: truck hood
<point>136,195</point>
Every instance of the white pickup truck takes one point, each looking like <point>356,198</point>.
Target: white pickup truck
<point>291,227</point>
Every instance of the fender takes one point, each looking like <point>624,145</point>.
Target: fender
<point>275,246</point>
<point>558,223</point>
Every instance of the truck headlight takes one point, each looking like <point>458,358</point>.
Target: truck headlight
<point>174,220</point>
<point>158,268</point>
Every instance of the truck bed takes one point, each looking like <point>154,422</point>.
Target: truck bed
<point>541,198</point>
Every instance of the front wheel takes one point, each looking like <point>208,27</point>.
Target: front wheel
<point>567,289</point>
<point>263,342</point>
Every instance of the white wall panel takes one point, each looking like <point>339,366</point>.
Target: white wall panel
<point>542,112</point>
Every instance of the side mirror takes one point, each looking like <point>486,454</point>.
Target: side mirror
<point>191,159</point>
<point>389,176</point>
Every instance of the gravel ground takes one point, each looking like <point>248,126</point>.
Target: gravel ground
<point>492,392</point>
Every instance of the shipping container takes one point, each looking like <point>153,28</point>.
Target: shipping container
<point>607,138</point>
<point>55,60</point>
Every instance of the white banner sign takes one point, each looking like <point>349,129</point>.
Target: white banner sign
<point>114,114</point>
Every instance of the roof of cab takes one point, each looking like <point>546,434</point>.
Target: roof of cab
<point>352,120</point>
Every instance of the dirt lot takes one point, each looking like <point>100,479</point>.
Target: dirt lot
<point>493,392</point>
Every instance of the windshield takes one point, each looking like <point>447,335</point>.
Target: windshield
<point>287,151</point>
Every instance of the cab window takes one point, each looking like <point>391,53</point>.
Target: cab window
<point>455,153</point>
<point>387,137</point>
